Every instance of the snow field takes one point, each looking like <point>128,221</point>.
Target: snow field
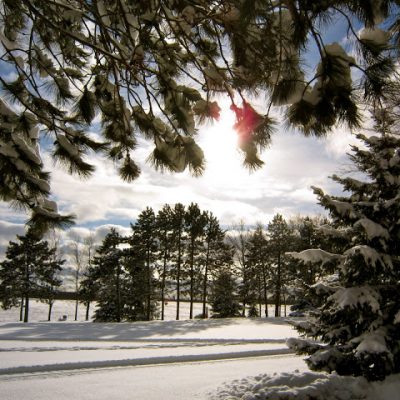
<point>224,359</point>
<point>38,311</point>
<point>50,346</point>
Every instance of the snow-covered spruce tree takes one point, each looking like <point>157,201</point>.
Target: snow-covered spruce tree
<point>153,68</point>
<point>359,322</point>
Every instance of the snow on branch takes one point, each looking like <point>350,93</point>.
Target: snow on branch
<point>370,255</point>
<point>357,296</point>
<point>315,255</point>
<point>373,342</point>
<point>372,229</point>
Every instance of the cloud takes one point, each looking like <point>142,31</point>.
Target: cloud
<point>8,231</point>
<point>293,164</point>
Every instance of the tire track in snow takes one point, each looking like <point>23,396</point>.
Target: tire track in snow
<point>24,371</point>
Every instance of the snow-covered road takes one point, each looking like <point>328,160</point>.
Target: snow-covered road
<point>181,381</point>
<point>150,360</point>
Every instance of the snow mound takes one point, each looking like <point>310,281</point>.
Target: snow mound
<point>295,386</point>
<point>308,386</point>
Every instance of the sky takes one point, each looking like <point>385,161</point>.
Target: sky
<point>293,164</point>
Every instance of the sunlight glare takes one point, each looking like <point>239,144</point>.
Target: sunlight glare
<point>219,142</point>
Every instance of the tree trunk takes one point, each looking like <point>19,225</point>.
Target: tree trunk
<point>284,302</point>
<point>27,291</point>
<point>191,278</point>
<point>21,310</point>
<point>178,277</point>
<point>265,290</point>
<point>87,311</point>
<point>51,302</point>
<point>206,280</point>
<point>163,286</point>
<point>76,308</point>
<point>259,296</point>
<point>26,314</point>
<point>118,290</point>
<point>278,289</point>
<point>148,299</point>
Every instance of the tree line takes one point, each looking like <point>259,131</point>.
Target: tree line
<point>179,253</point>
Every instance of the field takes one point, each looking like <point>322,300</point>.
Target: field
<point>171,360</point>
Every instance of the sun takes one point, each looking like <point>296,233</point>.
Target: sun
<point>219,142</point>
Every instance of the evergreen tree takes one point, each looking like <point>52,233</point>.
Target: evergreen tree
<point>279,239</point>
<point>257,256</point>
<point>154,68</point>
<point>313,233</point>
<point>30,269</point>
<point>111,279</point>
<point>88,290</point>
<point>238,239</point>
<point>163,224</point>
<point>140,301</point>
<point>223,296</point>
<point>145,247</point>
<point>177,244</point>
<point>89,287</point>
<point>194,227</point>
<point>359,320</point>
<point>216,254</point>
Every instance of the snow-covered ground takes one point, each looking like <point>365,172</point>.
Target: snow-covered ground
<point>39,311</point>
<point>171,360</point>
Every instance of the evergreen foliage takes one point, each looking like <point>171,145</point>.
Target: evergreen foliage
<point>280,237</point>
<point>155,68</point>
<point>313,233</point>
<point>223,296</point>
<point>143,254</point>
<point>358,321</point>
<point>30,269</point>
<point>176,253</point>
<point>111,279</point>
<point>177,244</point>
<point>195,223</point>
<point>217,255</point>
<point>257,256</point>
<point>238,239</point>
<point>163,234</point>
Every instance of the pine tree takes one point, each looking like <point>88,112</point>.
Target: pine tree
<point>223,296</point>
<point>164,229</point>
<point>217,254</point>
<point>140,300</point>
<point>89,287</point>
<point>177,244</point>
<point>194,226</point>
<point>238,239</point>
<point>257,256</point>
<point>144,246</point>
<point>29,270</point>
<point>359,320</point>
<point>279,239</point>
<point>156,68</point>
<point>111,279</point>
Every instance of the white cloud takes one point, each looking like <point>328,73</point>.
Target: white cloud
<point>292,164</point>
<point>8,231</point>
